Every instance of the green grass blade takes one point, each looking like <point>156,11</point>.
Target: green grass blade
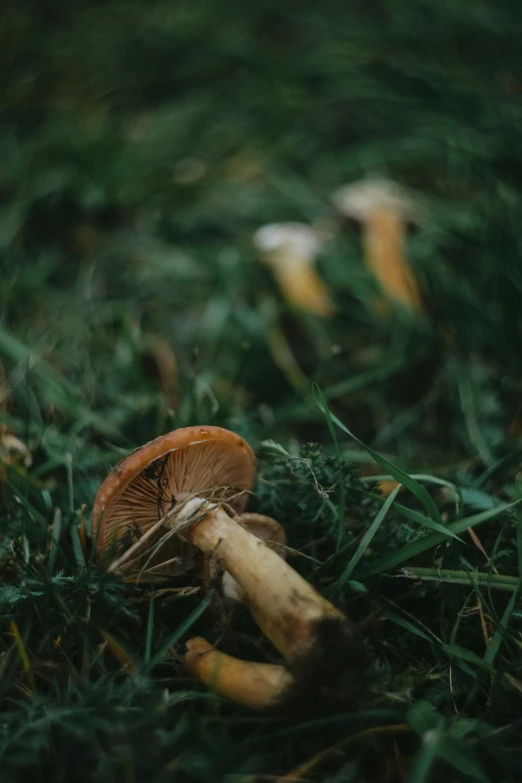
<point>416,516</point>
<point>416,548</point>
<point>426,757</point>
<point>376,374</point>
<point>178,633</point>
<point>457,651</point>
<point>342,499</point>
<point>150,628</point>
<point>467,578</point>
<point>77,547</point>
<point>496,640</point>
<point>369,534</point>
<point>407,626</point>
<point>519,540</point>
<point>399,475</point>
<point>55,538</point>
<point>460,756</point>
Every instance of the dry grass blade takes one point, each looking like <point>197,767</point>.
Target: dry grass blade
<point>126,661</point>
<point>24,655</point>
<point>301,772</point>
<point>82,532</point>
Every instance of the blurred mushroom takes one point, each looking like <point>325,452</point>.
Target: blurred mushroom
<point>383,209</point>
<point>289,249</point>
<point>13,452</point>
<point>182,484</point>
<point>255,685</point>
<point>386,487</point>
<point>165,366</point>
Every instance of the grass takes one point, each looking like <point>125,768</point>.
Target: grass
<point>141,147</point>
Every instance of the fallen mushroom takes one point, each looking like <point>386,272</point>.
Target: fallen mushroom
<point>303,626</point>
<point>256,685</point>
<point>289,249</point>
<point>383,209</point>
<point>182,484</point>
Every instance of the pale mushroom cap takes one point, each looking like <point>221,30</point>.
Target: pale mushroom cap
<point>299,239</point>
<point>207,462</point>
<point>360,199</point>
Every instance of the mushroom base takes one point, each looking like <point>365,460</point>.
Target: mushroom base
<point>331,672</point>
<point>328,680</point>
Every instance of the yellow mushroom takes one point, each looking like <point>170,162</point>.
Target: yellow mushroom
<point>290,249</point>
<point>383,209</point>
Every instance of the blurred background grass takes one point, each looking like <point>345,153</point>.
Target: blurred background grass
<point>141,145</point>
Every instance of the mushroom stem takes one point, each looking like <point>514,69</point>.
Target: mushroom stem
<point>300,283</point>
<point>301,624</point>
<point>255,685</point>
<point>384,232</point>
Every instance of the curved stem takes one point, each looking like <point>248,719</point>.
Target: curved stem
<point>255,685</point>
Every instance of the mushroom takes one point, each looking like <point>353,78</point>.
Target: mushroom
<point>13,452</point>
<point>383,208</point>
<point>182,484</point>
<point>256,685</point>
<point>289,249</point>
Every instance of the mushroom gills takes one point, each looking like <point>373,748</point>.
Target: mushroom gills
<point>134,503</point>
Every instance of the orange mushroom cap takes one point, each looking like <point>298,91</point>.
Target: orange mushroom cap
<point>207,462</point>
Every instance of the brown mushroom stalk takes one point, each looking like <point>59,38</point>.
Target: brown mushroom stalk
<point>289,249</point>
<point>269,531</point>
<point>255,685</point>
<point>383,211</point>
